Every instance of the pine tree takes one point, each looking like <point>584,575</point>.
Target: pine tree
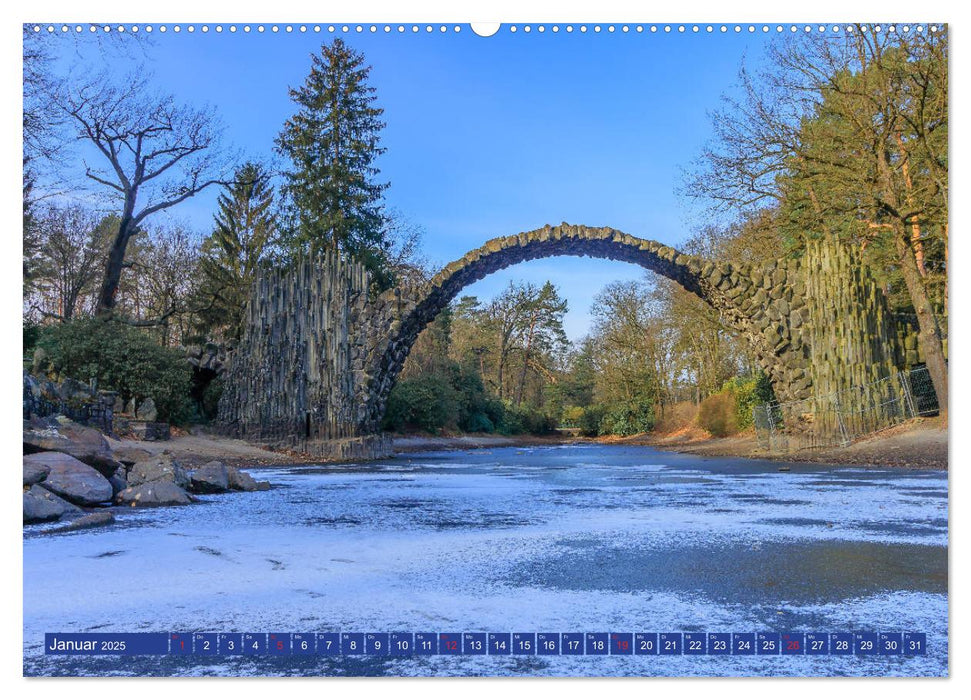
<point>244,232</point>
<point>332,142</point>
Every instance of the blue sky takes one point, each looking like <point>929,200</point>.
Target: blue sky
<point>486,136</point>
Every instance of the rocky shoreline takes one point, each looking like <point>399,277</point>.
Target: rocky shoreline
<point>77,477</point>
<point>71,475</point>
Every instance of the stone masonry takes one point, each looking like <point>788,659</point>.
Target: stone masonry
<point>321,354</point>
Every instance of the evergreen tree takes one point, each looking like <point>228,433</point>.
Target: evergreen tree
<point>332,142</point>
<point>244,232</point>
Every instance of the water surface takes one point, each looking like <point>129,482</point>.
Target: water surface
<point>569,538</point>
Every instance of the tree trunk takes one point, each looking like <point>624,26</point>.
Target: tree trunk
<point>522,375</point>
<point>931,344</point>
<point>915,235</point>
<point>113,268</point>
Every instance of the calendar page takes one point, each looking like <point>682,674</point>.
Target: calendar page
<point>522,349</point>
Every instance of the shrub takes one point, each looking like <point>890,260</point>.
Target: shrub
<point>627,418</point>
<point>747,393</point>
<point>123,359</point>
<point>524,419</point>
<point>677,416</point>
<point>716,414</point>
<point>572,417</point>
<point>591,419</point>
<point>31,334</point>
<point>428,403</point>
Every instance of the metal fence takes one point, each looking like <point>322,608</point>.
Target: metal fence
<point>838,419</point>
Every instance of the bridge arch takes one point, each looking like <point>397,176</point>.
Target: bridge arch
<point>759,303</point>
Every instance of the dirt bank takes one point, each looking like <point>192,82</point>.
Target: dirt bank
<point>917,444</point>
<point>423,443</point>
<point>195,449</point>
<point>198,447</point>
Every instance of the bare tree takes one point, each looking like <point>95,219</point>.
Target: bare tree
<point>154,154</point>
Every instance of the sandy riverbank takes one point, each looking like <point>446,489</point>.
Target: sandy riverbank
<point>919,444</point>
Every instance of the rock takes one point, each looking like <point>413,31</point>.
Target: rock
<point>61,434</point>
<point>130,407</point>
<point>241,481</point>
<point>153,493</point>
<point>158,468</point>
<point>97,519</point>
<point>212,477</point>
<point>34,472</point>
<point>70,478</point>
<point>32,385</point>
<point>40,505</point>
<point>121,427</point>
<point>118,483</point>
<point>150,432</point>
<point>128,456</point>
<point>40,361</point>
<point>147,411</point>
<point>119,405</point>
<point>73,391</point>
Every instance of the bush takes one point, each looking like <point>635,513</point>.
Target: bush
<point>627,418</point>
<point>123,359</point>
<point>428,403</point>
<point>748,392</point>
<point>677,416</point>
<point>478,412</point>
<point>591,419</point>
<point>716,414</point>
<point>525,419</point>
<point>31,334</point>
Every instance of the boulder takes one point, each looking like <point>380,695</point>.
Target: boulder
<point>241,481</point>
<point>41,505</point>
<point>118,483</point>
<point>34,472</point>
<point>121,427</point>
<point>74,392</point>
<point>61,434</point>
<point>130,407</point>
<point>212,477</point>
<point>153,493</point>
<point>40,361</point>
<point>150,432</point>
<point>158,468</point>
<point>128,456</point>
<point>97,519</point>
<point>70,478</point>
<point>147,411</point>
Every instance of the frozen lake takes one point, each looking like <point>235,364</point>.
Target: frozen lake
<point>550,539</point>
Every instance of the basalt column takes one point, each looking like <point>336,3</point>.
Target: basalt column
<point>294,380</point>
<point>854,347</point>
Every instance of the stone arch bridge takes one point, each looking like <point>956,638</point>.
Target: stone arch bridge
<point>321,354</point>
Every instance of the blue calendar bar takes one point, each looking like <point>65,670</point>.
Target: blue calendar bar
<point>86,644</point>
<point>399,644</point>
